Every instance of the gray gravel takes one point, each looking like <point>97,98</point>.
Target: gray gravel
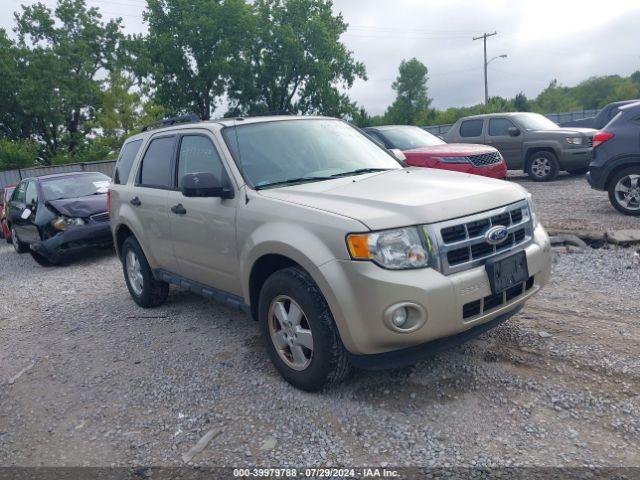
<point>104,382</point>
<point>568,202</point>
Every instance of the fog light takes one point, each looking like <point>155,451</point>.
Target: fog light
<point>400,316</point>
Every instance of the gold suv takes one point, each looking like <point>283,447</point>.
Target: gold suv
<point>343,256</point>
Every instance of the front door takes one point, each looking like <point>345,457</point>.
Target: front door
<point>509,146</point>
<point>17,213</point>
<point>204,229</point>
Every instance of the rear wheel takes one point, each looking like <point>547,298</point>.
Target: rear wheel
<point>302,339</point>
<point>624,191</point>
<point>542,166</point>
<point>144,288</point>
<point>18,246</point>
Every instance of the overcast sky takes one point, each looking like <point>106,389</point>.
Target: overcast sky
<point>569,40</point>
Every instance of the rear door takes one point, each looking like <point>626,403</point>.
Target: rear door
<point>148,200</point>
<point>509,146</point>
<point>471,131</point>
<point>204,229</point>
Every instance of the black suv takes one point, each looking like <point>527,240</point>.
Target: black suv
<point>616,160</point>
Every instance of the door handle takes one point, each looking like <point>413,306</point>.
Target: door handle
<point>135,201</point>
<point>178,209</point>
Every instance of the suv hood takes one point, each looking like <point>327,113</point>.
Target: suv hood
<point>461,149</point>
<point>81,206</point>
<point>569,131</point>
<point>402,197</point>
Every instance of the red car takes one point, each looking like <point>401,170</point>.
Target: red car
<point>423,149</point>
<point>4,198</point>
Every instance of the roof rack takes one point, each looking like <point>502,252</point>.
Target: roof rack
<point>271,113</point>
<point>166,122</point>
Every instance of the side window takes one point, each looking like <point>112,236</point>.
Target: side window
<point>155,170</point>
<point>499,127</point>
<point>198,155</point>
<point>471,128</point>
<point>31,194</point>
<point>19,194</point>
<point>125,162</point>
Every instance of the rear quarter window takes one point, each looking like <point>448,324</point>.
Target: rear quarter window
<point>157,163</point>
<point>471,128</point>
<point>125,162</point>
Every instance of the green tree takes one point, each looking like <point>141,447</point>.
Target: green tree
<point>521,103</point>
<point>555,98</point>
<point>411,105</point>
<point>295,61</point>
<point>17,153</point>
<point>63,55</point>
<point>14,122</point>
<point>192,49</point>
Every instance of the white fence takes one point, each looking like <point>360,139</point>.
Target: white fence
<point>9,177</point>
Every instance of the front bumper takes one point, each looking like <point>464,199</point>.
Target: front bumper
<point>575,158</point>
<point>359,293</point>
<point>74,240</point>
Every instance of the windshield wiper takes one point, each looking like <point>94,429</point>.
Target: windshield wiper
<point>360,171</point>
<point>292,181</point>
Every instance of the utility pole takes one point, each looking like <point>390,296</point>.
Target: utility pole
<point>486,82</point>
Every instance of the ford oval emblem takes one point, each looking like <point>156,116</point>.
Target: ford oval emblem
<point>496,235</point>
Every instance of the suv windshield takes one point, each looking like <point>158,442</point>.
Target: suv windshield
<point>73,186</point>
<point>406,138</point>
<point>535,121</point>
<point>296,151</point>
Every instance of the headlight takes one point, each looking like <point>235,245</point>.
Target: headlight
<point>574,140</point>
<point>453,159</point>
<point>533,210</point>
<point>399,249</point>
<point>62,223</point>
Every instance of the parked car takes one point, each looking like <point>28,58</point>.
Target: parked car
<point>56,216</point>
<point>528,141</point>
<point>616,160</point>
<point>4,198</point>
<point>603,117</point>
<point>423,149</point>
<point>343,256</point>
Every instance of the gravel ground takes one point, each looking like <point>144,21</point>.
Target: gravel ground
<point>568,202</point>
<point>88,378</point>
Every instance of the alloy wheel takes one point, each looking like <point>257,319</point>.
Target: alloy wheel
<point>134,272</point>
<point>627,192</point>
<point>14,240</point>
<point>290,332</point>
<point>540,167</point>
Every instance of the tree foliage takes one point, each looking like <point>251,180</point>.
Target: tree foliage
<point>295,61</point>
<point>411,105</point>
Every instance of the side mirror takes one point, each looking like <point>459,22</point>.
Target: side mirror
<point>398,154</point>
<point>26,213</point>
<point>514,131</point>
<point>205,185</point>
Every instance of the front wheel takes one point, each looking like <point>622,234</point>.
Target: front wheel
<point>302,339</point>
<point>624,191</point>
<point>542,166</point>
<point>145,290</point>
<point>19,247</point>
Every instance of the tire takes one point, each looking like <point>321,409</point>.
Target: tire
<point>144,288</point>
<point>627,202</point>
<point>578,171</point>
<point>327,361</point>
<point>41,259</point>
<point>542,166</point>
<point>19,247</point>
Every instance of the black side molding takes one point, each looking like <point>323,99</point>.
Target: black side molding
<point>205,291</point>
<point>413,355</point>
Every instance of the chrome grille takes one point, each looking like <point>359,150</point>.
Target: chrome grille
<point>461,242</point>
<point>100,217</point>
<point>485,159</point>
